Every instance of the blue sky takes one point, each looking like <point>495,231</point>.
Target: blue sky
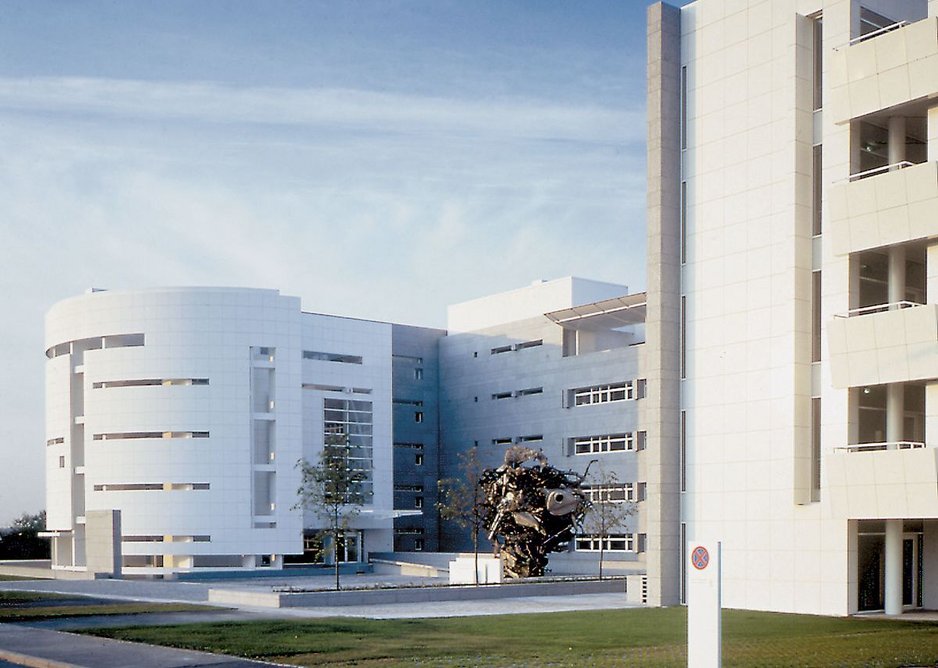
<point>378,159</point>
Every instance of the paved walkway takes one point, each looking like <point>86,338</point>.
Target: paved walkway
<point>26,646</point>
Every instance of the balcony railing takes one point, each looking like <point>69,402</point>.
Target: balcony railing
<point>875,33</point>
<point>894,167</point>
<point>877,308</point>
<point>879,447</point>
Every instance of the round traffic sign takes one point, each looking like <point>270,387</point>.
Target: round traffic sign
<point>700,557</point>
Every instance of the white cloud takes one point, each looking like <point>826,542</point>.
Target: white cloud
<point>340,108</point>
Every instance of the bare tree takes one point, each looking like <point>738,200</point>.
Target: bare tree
<point>334,491</point>
<point>610,508</point>
<point>463,501</point>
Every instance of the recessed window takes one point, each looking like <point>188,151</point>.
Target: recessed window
<point>61,461</point>
<point>418,416</point>
<point>418,374</point>
<point>502,395</point>
<point>418,459</point>
<point>331,357</point>
<point>501,349</point>
<point>418,502</point>
<point>529,391</point>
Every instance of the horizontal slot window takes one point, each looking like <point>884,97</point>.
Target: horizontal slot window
<point>408,488</point>
<point>530,439</point>
<point>56,441</point>
<point>166,539</point>
<point>501,441</point>
<point>152,487</point>
<point>529,344</point>
<point>95,343</point>
<point>407,402</point>
<point>414,446</point>
<point>407,358</point>
<point>528,391</point>
<point>610,493</point>
<point>147,382</point>
<point>336,388</point>
<point>501,349</point>
<point>502,395</point>
<point>331,357</point>
<point>134,435</point>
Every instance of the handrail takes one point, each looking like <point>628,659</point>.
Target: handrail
<point>878,308</point>
<point>879,447</point>
<point>894,167</point>
<point>875,33</point>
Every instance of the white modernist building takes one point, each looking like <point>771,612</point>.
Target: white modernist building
<point>556,366</point>
<point>793,228</point>
<point>188,409</point>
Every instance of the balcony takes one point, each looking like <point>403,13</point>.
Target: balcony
<point>893,66</point>
<point>883,481</point>
<point>895,205</point>
<point>890,343</point>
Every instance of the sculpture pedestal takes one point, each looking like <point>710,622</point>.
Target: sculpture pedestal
<point>460,569</point>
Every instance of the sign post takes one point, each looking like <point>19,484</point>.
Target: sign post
<point>704,631</point>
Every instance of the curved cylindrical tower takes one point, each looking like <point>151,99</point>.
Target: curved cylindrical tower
<point>180,407</point>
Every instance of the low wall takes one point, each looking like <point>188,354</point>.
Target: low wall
<point>266,599</point>
<point>42,570</point>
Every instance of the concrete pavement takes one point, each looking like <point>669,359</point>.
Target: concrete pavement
<point>42,648</point>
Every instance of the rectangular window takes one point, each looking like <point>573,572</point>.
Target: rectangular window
<point>353,420</point>
<point>683,222</point>
<point>610,493</point>
<point>815,448</point>
<point>418,502</point>
<point>407,402</point>
<point>529,344</point>
<point>418,545</point>
<point>133,435</point>
<point>818,29</point>
<point>529,391</point>
<point>601,394</point>
<point>502,395</point>
<point>684,107</point>
<point>418,459</point>
<point>61,461</point>
<point>816,316</point>
<point>683,453</point>
<point>501,349</point>
<point>418,416</point>
<point>817,188</point>
<point>683,337</point>
<point>501,441</point>
<point>613,543</point>
<point>331,357</point>
<point>530,439</point>
<point>589,445</point>
<point>408,488</point>
<point>418,373</point>
<point>683,562</point>
<point>409,359</point>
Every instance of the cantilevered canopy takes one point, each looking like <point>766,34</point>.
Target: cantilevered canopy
<point>606,314</point>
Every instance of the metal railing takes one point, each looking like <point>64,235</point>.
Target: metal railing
<point>875,33</point>
<point>894,167</point>
<point>878,308</point>
<point>879,447</point>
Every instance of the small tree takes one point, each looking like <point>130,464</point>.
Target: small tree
<point>21,539</point>
<point>463,501</point>
<point>334,490</point>
<point>610,508</point>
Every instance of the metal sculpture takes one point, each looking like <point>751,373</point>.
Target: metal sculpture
<point>532,509</point>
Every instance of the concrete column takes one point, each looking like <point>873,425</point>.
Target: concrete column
<point>896,274</point>
<point>896,139</point>
<point>893,580</point>
<point>895,412</point>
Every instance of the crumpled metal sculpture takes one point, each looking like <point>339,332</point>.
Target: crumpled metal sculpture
<point>532,509</point>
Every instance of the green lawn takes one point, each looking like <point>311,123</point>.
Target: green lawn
<point>640,637</point>
<point>22,606</point>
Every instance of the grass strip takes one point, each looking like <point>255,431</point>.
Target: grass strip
<point>647,637</point>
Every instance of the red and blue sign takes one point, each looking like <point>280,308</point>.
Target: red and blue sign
<point>700,557</point>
